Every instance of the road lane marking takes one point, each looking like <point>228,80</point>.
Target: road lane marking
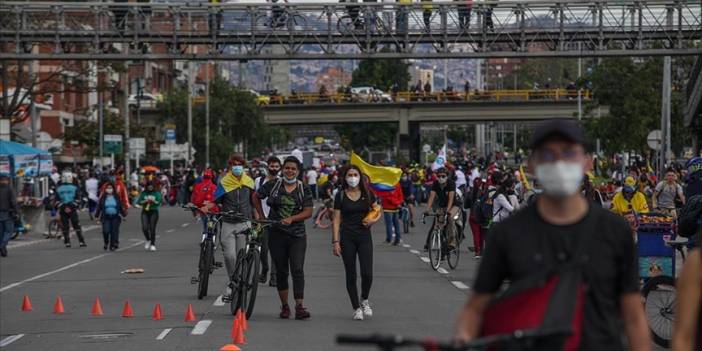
<point>218,302</point>
<point>442,270</point>
<point>185,225</point>
<point>43,275</point>
<point>416,252</point>
<point>407,246</point>
<point>163,334</point>
<point>425,259</point>
<point>10,339</point>
<point>170,230</point>
<point>460,285</point>
<point>201,327</point>
<point>15,245</point>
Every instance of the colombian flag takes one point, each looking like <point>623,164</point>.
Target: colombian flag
<point>229,182</point>
<point>381,178</point>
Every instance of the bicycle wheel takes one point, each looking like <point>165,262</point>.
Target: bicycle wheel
<point>453,256</point>
<point>254,263</point>
<point>435,249</point>
<point>405,220</point>
<point>237,282</point>
<point>659,303</point>
<point>205,268</point>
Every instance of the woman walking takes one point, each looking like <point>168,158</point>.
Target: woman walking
<point>473,202</point>
<point>110,211</point>
<point>150,201</point>
<point>351,237</point>
<point>290,202</point>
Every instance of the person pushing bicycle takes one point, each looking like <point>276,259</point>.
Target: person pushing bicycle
<point>444,192</point>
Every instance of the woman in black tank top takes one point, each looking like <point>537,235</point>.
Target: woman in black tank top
<point>351,237</point>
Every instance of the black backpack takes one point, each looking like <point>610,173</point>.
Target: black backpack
<point>689,217</point>
<point>483,208</point>
<point>273,198</point>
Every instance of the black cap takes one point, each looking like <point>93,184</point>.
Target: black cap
<point>567,129</point>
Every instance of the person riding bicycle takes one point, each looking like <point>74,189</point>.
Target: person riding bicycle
<point>444,193</point>
<point>629,199</point>
<point>67,194</point>
<point>235,192</point>
<point>203,194</point>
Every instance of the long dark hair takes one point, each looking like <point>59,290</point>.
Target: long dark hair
<point>365,192</point>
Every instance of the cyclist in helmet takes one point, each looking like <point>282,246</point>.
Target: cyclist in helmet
<point>68,197</point>
<point>629,199</point>
<point>694,177</point>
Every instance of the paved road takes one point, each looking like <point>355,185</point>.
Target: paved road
<point>408,297</point>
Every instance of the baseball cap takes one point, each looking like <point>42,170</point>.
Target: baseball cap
<point>568,129</point>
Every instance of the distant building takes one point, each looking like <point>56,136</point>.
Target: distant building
<point>333,78</point>
<point>277,72</point>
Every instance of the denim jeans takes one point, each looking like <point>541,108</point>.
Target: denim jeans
<point>392,219</point>
<point>110,230</point>
<point>7,227</point>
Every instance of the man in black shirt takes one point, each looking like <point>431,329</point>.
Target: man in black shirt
<point>444,193</point>
<point>543,235</point>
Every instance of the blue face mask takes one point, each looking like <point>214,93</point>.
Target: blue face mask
<point>237,170</point>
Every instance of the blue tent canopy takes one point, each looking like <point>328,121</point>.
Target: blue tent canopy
<point>10,148</point>
<point>23,161</point>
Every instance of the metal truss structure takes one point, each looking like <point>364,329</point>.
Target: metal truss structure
<point>172,30</point>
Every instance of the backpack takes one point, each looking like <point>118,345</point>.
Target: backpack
<point>200,195</point>
<point>690,214</point>
<point>484,207</point>
<point>273,198</point>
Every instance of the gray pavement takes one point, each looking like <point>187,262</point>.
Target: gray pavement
<point>408,297</point>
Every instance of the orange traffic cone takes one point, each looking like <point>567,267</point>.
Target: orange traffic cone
<point>58,306</point>
<point>239,337</point>
<point>157,315</point>
<point>230,347</point>
<point>242,320</point>
<point>189,314</point>
<point>235,327</point>
<point>97,307</point>
<point>26,305</point>
<point>127,312</point>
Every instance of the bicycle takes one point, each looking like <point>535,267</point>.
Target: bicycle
<point>55,228</point>
<point>518,340</point>
<point>244,280</point>
<point>206,261</point>
<point>282,18</point>
<point>438,242</point>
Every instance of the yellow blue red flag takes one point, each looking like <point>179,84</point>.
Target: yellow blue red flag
<point>381,178</point>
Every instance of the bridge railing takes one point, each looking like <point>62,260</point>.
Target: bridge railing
<point>432,97</point>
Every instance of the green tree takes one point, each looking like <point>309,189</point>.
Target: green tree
<point>381,73</point>
<point>539,70</point>
<point>88,132</point>
<point>373,136</point>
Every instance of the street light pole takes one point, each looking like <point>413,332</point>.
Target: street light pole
<point>100,117</point>
<point>125,142</point>
<point>190,108</point>
<point>207,115</point>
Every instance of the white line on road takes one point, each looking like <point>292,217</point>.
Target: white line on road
<point>14,285</point>
<point>425,259</point>
<point>414,252</point>
<point>406,246</point>
<point>170,230</point>
<point>10,339</point>
<point>442,270</point>
<point>460,285</point>
<point>218,302</point>
<point>163,334</point>
<point>185,225</point>
<point>201,327</point>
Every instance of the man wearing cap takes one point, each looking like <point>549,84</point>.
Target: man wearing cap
<point>547,234</point>
<point>630,200</point>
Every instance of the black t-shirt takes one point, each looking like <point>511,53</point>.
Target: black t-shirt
<point>352,213</point>
<point>525,244</point>
<point>442,193</point>
<point>284,204</point>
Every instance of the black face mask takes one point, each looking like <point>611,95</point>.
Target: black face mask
<point>273,172</point>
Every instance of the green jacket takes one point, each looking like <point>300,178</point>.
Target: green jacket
<point>150,206</point>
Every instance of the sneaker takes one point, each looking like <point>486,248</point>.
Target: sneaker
<point>83,244</point>
<point>367,310</point>
<point>412,224</point>
<point>358,314</point>
<point>263,277</point>
<point>477,257</point>
<point>273,282</point>
<point>68,244</point>
<point>113,248</point>
<point>395,243</point>
<point>3,251</point>
<point>152,248</point>
<point>104,247</point>
<point>147,245</point>
<point>285,312</point>
<point>301,313</point>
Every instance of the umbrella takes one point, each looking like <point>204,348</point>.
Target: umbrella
<point>150,169</point>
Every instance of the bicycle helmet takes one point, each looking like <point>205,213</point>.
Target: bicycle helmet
<point>693,165</point>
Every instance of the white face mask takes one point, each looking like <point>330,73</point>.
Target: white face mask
<point>560,179</point>
<point>353,181</point>
<point>109,190</point>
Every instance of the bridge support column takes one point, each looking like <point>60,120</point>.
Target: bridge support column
<point>408,138</point>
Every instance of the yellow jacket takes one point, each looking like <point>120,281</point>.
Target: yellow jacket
<point>638,204</point>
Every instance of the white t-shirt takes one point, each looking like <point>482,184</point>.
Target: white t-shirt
<point>460,178</point>
<point>503,206</point>
<point>312,177</point>
<point>91,186</point>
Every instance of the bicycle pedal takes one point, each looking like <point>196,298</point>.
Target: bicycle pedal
<point>194,280</point>
<point>218,265</point>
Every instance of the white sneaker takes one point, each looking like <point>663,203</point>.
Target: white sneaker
<point>358,314</point>
<point>152,248</point>
<point>367,310</point>
<point>147,245</point>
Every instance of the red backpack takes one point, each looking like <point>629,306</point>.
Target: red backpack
<point>203,192</point>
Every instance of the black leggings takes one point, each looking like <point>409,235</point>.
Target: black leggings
<point>288,254</point>
<point>362,246</point>
<point>71,218</point>
<point>149,219</point>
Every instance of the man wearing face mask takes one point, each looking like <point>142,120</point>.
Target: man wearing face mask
<point>272,176</point>
<point>547,235</point>
<point>630,200</point>
<point>234,192</point>
<point>444,192</point>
